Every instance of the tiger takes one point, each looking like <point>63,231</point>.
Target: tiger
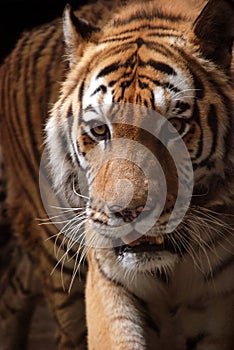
<point>108,93</point>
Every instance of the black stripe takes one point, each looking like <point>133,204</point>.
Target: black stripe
<point>109,69</point>
<point>163,35</point>
<point>199,86</point>
<point>101,88</point>
<point>71,299</point>
<point>168,86</point>
<point>114,50</point>
<point>70,119</point>
<point>30,77</point>
<point>2,92</point>
<point>49,232</point>
<point>159,66</point>
<point>142,85</point>
<point>10,309</point>
<point>144,15</point>
<point>163,276</point>
<point>80,99</point>
<point>226,263</point>
<point>151,45</point>
<point>3,196</point>
<point>21,286</point>
<point>15,69</point>
<point>125,84</point>
<point>171,87</point>
<point>56,290</point>
<point>152,101</point>
<point>81,93</point>
<point>148,319</point>
<point>12,285</point>
<point>164,85</point>
<point>182,106</point>
<point>191,343</point>
<point>228,293</point>
<point>38,53</point>
<point>66,342</point>
<point>146,26</point>
<point>212,119</point>
<point>49,78</point>
<point>228,105</point>
<point>21,46</point>
<point>81,324</point>
<point>198,307</point>
<point>16,121</point>
<point>18,169</point>
<point>15,160</point>
<point>161,48</point>
<point>138,99</point>
<point>196,117</point>
<point>117,38</point>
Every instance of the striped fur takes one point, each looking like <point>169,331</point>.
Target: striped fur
<point>30,78</point>
<point>160,56</point>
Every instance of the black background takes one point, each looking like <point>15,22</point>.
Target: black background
<point>18,15</point>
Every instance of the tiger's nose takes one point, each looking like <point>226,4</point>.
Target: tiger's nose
<point>127,214</point>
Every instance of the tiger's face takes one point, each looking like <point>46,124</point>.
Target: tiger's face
<point>125,80</point>
<point>126,186</point>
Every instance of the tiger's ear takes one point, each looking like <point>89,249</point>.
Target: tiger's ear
<point>214,29</point>
<point>76,32</point>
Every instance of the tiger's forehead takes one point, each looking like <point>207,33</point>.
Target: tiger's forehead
<point>137,60</point>
<point>125,56</point>
<point>139,76</point>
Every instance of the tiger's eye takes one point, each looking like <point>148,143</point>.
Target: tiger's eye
<point>100,130</point>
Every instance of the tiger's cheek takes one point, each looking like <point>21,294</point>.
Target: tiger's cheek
<point>192,139</point>
<point>85,144</point>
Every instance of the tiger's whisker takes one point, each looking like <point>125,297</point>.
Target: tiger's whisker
<point>78,194</point>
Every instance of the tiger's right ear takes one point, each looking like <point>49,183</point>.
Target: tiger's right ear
<point>76,32</point>
<point>214,29</point>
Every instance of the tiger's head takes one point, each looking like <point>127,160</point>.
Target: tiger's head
<point>146,108</point>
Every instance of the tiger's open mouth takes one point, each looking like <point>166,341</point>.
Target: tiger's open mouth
<point>145,243</point>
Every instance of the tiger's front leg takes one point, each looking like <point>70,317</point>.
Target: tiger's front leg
<point>114,321</point>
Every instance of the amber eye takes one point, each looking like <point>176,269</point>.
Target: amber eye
<point>100,131</point>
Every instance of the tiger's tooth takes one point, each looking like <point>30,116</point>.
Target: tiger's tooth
<point>159,240</point>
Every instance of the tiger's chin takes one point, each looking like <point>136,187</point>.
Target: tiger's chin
<point>135,268</point>
<point>152,262</point>
<point>146,256</point>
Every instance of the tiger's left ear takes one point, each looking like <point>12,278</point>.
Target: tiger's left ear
<point>214,29</point>
<point>76,33</point>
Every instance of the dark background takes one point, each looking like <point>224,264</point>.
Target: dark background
<point>18,15</point>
